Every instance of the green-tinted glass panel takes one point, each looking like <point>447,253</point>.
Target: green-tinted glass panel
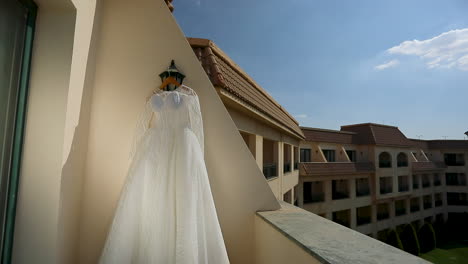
<point>12,34</point>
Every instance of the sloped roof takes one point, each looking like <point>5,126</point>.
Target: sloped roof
<point>227,75</point>
<point>377,134</point>
<point>334,168</point>
<point>328,135</point>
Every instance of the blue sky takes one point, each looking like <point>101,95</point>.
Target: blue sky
<point>333,63</point>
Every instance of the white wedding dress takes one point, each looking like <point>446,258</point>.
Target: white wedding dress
<point>166,212</point>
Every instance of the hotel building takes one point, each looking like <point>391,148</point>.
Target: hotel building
<point>371,177</point>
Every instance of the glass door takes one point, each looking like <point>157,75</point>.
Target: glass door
<point>16,34</point>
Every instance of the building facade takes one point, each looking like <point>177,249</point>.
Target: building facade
<point>270,132</point>
<point>370,177</point>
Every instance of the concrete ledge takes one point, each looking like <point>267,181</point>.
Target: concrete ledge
<point>329,242</point>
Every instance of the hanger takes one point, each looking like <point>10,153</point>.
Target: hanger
<point>169,80</point>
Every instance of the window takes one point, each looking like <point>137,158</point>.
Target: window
<point>426,181</point>
<point>438,199</point>
<point>403,185</point>
<point>454,159</point>
<point>313,192</point>
<point>329,154</point>
<point>415,182</point>
<point>385,160</point>
<point>342,217</point>
<point>386,185</point>
<point>400,207</point>
<point>427,201</point>
<point>414,204</point>
<point>457,198</point>
<point>305,155</point>
<point>455,179</point>
<point>362,187</point>
<point>402,160</point>
<point>437,179</point>
<point>351,155</point>
<point>340,189</point>
<point>363,215</point>
<point>383,211</point>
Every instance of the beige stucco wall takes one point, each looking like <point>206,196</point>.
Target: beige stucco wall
<point>273,247</point>
<point>130,54</point>
<point>39,186</point>
<point>87,89</point>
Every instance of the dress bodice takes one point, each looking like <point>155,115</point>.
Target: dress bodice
<point>172,111</point>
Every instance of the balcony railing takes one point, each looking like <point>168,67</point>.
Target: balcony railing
<point>269,170</point>
<point>287,167</point>
<point>426,184</point>
<point>427,205</point>
<point>296,165</point>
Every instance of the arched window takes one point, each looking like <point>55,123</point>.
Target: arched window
<point>402,160</point>
<point>385,160</point>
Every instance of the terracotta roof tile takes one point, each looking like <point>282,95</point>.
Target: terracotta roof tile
<point>326,135</point>
<point>376,134</point>
<point>428,165</point>
<point>226,74</point>
<point>334,168</point>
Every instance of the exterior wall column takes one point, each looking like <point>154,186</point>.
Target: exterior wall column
<point>374,219</point>
<point>327,188</point>
<point>280,162</point>
<point>353,216</point>
<point>300,193</point>
<point>259,151</point>
<point>292,196</point>
<point>352,188</point>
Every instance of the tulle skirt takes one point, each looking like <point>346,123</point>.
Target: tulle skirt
<point>166,212</point>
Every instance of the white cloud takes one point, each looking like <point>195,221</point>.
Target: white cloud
<point>387,65</point>
<point>447,50</point>
<point>301,116</point>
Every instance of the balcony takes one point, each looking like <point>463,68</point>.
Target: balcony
<point>422,166</point>
<point>269,170</point>
<point>335,168</point>
<point>319,239</point>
